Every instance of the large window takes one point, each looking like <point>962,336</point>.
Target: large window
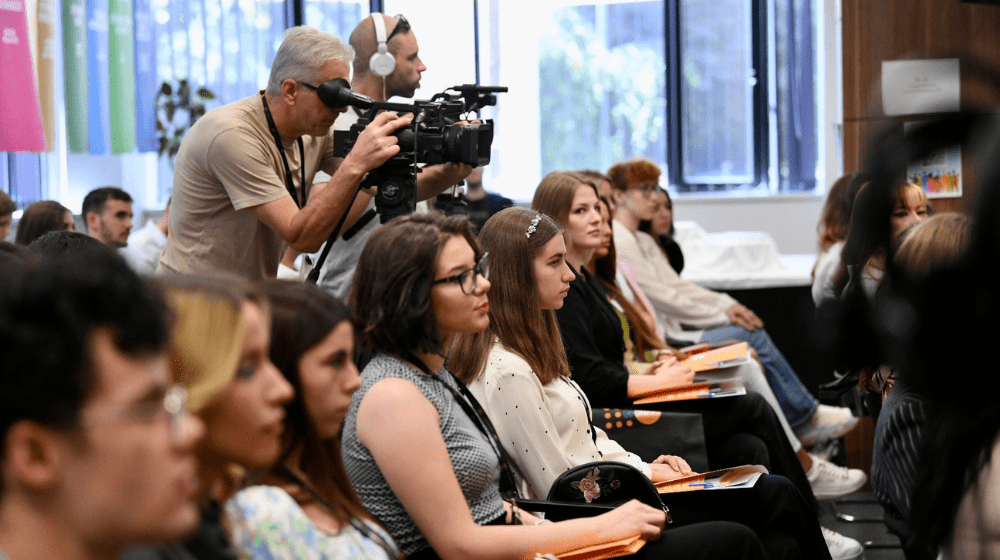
<point>720,94</point>
<point>716,80</point>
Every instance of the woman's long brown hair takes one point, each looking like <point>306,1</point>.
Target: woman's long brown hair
<point>605,269</point>
<point>516,318</point>
<point>302,315</point>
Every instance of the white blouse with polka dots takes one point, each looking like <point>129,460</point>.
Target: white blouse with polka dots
<point>545,429</point>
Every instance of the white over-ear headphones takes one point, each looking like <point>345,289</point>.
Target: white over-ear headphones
<point>382,63</point>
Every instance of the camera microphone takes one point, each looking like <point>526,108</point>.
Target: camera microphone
<point>338,93</point>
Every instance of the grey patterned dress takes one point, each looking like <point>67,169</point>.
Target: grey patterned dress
<point>474,460</point>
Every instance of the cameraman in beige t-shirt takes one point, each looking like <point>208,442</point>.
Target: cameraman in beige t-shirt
<point>232,207</point>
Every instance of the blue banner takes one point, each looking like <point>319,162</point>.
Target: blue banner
<point>145,78</point>
<point>98,72</point>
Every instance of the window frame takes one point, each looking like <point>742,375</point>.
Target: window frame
<point>780,154</point>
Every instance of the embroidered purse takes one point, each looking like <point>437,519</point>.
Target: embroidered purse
<point>594,488</point>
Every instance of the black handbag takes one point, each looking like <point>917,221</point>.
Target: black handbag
<point>594,488</point>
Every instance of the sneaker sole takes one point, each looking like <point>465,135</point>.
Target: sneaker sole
<point>832,495</point>
<point>843,431</point>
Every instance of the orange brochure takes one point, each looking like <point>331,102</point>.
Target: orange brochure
<point>744,476</point>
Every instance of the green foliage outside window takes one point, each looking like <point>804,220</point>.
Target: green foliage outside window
<point>598,104</point>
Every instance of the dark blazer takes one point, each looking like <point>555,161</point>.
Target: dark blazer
<point>595,342</point>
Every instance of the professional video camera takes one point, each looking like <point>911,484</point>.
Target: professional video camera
<point>430,139</point>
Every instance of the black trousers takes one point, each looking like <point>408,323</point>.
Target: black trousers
<point>714,540</point>
<point>745,431</point>
<point>774,509</point>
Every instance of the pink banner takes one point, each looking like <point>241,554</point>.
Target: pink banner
<point>20,117</point>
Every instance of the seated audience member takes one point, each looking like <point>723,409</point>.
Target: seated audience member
<point>517,366</point>
<point>661,228</point>
<point>56,244</point>
<point>107,213</point>
<point>220,354</point>
<point>933,243</point>
<point>305,505</point>
<point>146,244</point>
<point>419,462</point>
<point>40,218</point>
<point>97,450</point>
<point>875,223</point>
<point>738,430</point>
<point>832,228</point>
<point>7,208</point>
<point>826,479</point>
<point>690,312</point>
<point>601,182</point>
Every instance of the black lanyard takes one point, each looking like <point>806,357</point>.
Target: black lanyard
<point>586,409</point>
<point>281,150</point>
<point>472,408</point>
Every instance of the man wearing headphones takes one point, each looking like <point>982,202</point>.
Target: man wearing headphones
<point>386,64</point>
<point>243,181</point>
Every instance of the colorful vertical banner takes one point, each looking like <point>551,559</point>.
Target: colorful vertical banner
<point>98,74</point>
<point>145,78</point>
<point>45,60</point>
<point>20,118</point>
<point>122,66</point>
<point>74,19</point>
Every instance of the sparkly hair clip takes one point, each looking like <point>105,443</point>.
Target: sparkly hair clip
<point>533,226</point>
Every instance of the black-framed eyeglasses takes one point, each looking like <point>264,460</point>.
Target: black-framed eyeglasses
<point>402,26</point>
<point>467,278</point>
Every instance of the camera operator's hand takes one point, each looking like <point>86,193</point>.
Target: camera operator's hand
<point>376,144</point>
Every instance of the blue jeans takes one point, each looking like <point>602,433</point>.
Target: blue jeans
<point>795,400</point>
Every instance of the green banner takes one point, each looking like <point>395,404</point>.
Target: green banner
<point>74,17</point>
<point>122,65</point>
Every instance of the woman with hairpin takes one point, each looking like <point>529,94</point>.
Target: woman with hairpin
<point>518,371</point>
<point>304,506</point>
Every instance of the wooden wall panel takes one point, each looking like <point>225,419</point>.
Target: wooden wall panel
<point>877,30</point>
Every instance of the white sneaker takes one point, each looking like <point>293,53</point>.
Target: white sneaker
<point>831,481</point>
<point>828,422</point>
<point>841,547</point>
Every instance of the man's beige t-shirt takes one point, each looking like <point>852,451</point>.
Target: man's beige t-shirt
<point>228,163</point>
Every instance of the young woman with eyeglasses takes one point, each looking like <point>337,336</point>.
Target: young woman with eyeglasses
<point>412,445</point>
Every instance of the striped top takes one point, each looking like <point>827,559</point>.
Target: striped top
<point>896,452</point>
